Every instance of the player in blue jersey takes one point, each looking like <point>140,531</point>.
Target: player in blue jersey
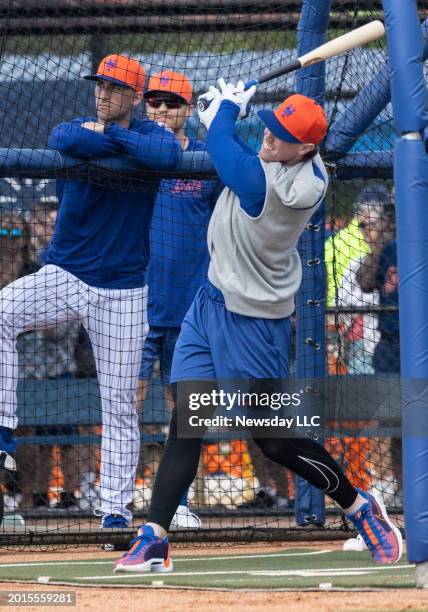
<point>178,245</point>
<point>95,273</point>
<point>238,326</point>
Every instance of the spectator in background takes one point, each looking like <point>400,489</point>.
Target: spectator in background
<point>342,250</point>
<point>378,272</point>
<point>178,245</point>
<point>361,329</point>
<point>349,244</point>
<point>47,354</point>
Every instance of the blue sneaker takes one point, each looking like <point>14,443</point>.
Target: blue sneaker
<point>382,538</point>
<point>113,521</point>
<point>147,553</point>
<point>7,447</point>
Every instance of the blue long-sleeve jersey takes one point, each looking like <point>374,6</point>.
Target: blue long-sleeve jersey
<point>238,165</point>
<point>102,234</point>
<point>178,245</point>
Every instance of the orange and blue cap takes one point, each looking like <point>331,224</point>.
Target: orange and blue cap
<point>121,70</point>
<point>298,119</point>
<point>170,82</point>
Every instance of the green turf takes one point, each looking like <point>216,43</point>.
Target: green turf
<point>296,568</point>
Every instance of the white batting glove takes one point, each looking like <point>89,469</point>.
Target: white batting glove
<point>246,96</point>
<point>208,105</point>
<point>237,95</point>
<point>229,92</point>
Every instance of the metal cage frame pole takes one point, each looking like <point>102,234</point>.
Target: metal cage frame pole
<point>310,301</point>
<point>409,96</point>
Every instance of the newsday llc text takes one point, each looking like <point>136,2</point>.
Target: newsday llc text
<point>246,421</point>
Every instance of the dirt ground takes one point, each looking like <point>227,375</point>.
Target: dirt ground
<point>169,600</point>
<point>113,599</point>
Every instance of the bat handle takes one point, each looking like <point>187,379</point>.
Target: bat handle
<point>249,84</point>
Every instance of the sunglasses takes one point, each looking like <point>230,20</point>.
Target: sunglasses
<point>14,232</point>
<point>157,101</point>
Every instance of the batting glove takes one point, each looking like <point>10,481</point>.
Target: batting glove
<point>237,95</point>
<point>246,96</point>
<point>229,92</point>
<point>208,105</point>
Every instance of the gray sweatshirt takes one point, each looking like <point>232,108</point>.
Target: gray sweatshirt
<point>254,261</point>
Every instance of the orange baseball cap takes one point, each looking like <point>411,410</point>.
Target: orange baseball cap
<point>121,70</point>
<point>170,82</point>
<point>297,119</point>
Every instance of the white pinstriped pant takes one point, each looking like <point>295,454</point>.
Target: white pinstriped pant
<point>115,324</point>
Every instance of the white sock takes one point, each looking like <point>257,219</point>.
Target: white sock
<point>360,500</point>
<point>158,530</point>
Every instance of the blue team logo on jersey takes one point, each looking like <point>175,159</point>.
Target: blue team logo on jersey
<point>110,64</point>
<point>288,111</point>
<point>164,80</point>
<point>186,186</point>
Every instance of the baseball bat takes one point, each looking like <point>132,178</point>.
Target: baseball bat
<point>355,38</point>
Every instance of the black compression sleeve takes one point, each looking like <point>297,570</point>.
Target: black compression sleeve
<point>311,461</point>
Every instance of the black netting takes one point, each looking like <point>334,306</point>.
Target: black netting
<point>46,49</point>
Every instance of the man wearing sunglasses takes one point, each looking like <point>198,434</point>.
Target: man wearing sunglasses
<point>95,273</point>
<point>178,247</point>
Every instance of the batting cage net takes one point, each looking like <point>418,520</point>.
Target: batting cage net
<point>95,333</point>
